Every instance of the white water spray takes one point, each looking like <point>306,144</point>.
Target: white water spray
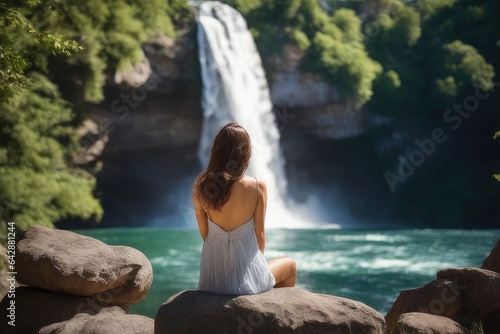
<point>235,89</point>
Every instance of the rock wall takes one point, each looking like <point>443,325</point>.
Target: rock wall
<point>314,105</point>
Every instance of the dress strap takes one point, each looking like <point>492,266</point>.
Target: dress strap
<point>256,186</point>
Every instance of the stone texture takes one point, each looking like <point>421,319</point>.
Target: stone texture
<point>172,62</point>
<point>111,320</point>
<point>492,262</point>
<point>423,323</point>
<point>293,88</point>
<point>283,310</point>
<point>64,261</point>
<point>491,324</point>
<point>439,297</point>
<point>480,289</point>
<point>136,75</point>
<point>36,308</point>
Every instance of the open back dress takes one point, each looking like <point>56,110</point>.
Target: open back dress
<point>231,262</point>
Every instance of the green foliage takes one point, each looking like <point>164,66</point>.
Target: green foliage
<point>350,25</point>
<point>245,6</point>
<point>431,53</point>
<point>394,31</point>
<point>339,52</point>
<point>19,39</point>
<point>429,8</point>
<point>332,44</point>
<point>111,33</point>
<point>467,66</point>
<point>76,44</point>
<point>473,329</point>
<point>347,66</point>
<point>39,184</point>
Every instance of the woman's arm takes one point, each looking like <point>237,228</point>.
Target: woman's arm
<point>201,215</point>
<point>260,215</point>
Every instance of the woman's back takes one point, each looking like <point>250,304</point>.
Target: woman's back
<point>231,262</point>
<point>230,209</point>
<point>240,207</point>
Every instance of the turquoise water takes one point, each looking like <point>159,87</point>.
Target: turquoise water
<point>369,266</point>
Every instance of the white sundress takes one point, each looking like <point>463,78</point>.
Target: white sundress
<point>231,262</point>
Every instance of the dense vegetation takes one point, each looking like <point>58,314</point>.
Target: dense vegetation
<point>446,48</point>
<point>55,58</point>
<point>399,58</point>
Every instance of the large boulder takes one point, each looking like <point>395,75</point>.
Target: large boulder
<point>64,261</point>
<point>35,308</point>
<point>423,323</point>
<point>439,297</point>
<point>111,320</point>
<point>480,289</point>
<point>283,310</point>
<point>492,262</point>
<point>491,324</point>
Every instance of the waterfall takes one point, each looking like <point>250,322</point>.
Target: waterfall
<point>235,89</point>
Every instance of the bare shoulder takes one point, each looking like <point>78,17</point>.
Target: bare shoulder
<point>248,182</point>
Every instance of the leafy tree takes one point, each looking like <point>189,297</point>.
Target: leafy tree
<point>21,43</point>
<point>348,66</point>
<point>112,34</point>
<point>464,69</point>
<point>51,51</point>
<point>40,185</point>
<point>333,44</point>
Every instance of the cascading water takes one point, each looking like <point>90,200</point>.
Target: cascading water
<point>235,89</point>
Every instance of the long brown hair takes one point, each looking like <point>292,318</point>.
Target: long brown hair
<point>228,162</point>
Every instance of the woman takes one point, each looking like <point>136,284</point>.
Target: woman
<point>230,209</point>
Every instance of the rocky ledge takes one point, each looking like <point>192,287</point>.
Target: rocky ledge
<point>284,310</point>
<point>458,299</point>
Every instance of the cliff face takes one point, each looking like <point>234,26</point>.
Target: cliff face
<point>157,104</point>
<point>321,109</point>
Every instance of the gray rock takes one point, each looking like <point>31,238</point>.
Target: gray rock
<point>423,323</point>
<point>439,297</point>
<point>492,262</point>
<point>292,87</point>
<point>64,261</point>
<point>136,75</point>
<point>491,324</point>
<point>36,308</point>
<point>111,320</point>
<point>283,310</point>
<point>480,289</point>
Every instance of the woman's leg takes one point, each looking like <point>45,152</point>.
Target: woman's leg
<point>284,270</point>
